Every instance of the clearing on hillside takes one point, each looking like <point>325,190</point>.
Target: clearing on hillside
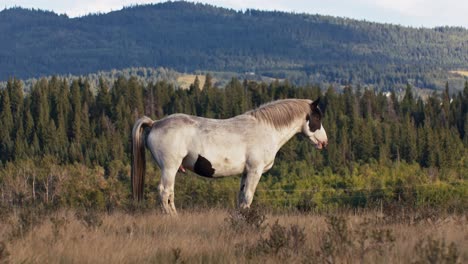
<point>461,72</point>
<point>184,81</point>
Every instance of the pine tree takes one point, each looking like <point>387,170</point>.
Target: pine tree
<point>465,129</point>
<point>86,93</point>
<point>75,100</point>
<point>135,98</point>
<point>344,145</point>
<point>235,103</point>
<point>408,103</point>
<point>384,146</point>
<point>208,82</point>
<point>86,132</point>
<point>432,147</point>
<point>62,120</point>
<point>446,106</point>
<point>123,120</point>
<point>195,86</point>
<point>408,140</point>
<point>393,108</point>
<point>45,128</point>
<point>50,139</point>
<point>19,151</point>
<point>28,122</point>
<point>6,119</point>
<point>366,140</point>
<point>103,99</point>
<point>15,91</point>
<point>464,113</point>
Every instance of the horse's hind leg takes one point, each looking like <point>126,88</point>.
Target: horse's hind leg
<point>166,190</point>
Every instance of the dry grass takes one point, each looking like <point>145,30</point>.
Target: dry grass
<point>461,72</point>
<point>184,81</point>
<point>208,237</point>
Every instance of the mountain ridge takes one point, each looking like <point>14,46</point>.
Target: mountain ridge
<point>188,37</point>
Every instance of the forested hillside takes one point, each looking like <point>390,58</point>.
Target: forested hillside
<point>187,37</point>
<point>63,145</point>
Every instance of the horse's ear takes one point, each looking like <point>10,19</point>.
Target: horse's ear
<point>315,103</point>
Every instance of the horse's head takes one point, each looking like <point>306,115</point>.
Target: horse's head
<point>313,128</point>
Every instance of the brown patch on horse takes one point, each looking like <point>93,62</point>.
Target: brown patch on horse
<point>203,167</point>
<point>315,116</point>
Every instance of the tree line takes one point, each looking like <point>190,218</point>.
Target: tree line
<point>74,123</point>
<point>69,126</point>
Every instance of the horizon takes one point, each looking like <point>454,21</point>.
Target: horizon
<point>384,11</point>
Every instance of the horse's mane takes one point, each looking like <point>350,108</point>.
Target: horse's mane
<point>281,113</point>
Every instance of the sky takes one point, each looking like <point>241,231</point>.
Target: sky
<point>415,13</point>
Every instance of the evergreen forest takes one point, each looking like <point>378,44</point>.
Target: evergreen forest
<point>65,145</point>
<point>187,37</point>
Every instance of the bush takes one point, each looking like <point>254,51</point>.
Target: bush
<point>89,218</point>
<point>28,218</point>
<point>283,242</point>
<point>340,242</point>
<point>432,251</point>
<point>247,219</point>
<point>3,253</point>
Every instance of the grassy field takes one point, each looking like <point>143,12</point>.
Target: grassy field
<point>184,81</point>
<point>461,72</point>
<point>218,236</point>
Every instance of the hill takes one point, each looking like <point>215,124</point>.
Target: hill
<point>188,37</point>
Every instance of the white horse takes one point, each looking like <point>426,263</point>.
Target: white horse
<point>245,144</point>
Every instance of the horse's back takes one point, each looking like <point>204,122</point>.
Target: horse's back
<point>175,121</point>
<point>222,143</point>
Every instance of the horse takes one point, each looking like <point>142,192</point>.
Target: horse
<point>245,144</point>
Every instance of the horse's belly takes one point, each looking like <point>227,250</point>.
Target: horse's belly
<point>228,167</point>
<point>214,164</point>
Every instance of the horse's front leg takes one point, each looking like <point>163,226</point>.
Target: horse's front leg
<point>249,183</point>
<point>241,196</point>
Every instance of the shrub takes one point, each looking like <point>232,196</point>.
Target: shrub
<point>247,219</point>
<point>4,254</point>
<point>89,218</point>
<point>28,218</point>
<point>177,255</point>
<point>58,223</point>
<point>434,251</point>
<point>340,242</point>
<point>282,242</point>
<point>336,240</point>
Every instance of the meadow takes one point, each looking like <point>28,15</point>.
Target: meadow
<point>229,236</point>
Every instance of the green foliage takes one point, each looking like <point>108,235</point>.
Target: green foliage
<point>64,146</point>
<point>6,132</point>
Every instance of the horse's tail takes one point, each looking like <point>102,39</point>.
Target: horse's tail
<point>138,156</point>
